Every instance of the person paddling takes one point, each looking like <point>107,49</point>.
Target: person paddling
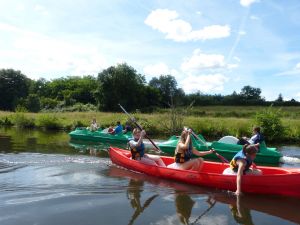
<point>184,152</point>
<point>137,149</point>
<point>241,163</point>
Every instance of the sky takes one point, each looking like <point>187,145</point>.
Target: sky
<point>212,46</point>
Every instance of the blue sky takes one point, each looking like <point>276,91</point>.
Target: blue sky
<point>212,46</point>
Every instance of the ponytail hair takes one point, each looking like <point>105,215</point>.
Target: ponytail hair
<point>249,149</point>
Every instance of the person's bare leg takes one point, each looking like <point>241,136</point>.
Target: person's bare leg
<point>157,159</point>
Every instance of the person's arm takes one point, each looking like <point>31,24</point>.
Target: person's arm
<point>134,144</point>
<point>197,153</point>
<point>185,145</point>
<point>241,164</point>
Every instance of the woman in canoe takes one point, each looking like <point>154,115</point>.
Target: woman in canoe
<point>137,149</point>
<point>184,151</point>
<point>240,165</point>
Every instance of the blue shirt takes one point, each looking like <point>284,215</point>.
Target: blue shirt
<point>240,155</point>
<point>119,129</point>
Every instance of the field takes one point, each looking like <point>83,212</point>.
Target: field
<point>212,122</point>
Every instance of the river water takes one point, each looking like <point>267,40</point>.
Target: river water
<point>46,179</point>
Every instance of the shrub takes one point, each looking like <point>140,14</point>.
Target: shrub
<point>6,121</point>
<point>20,120</point>
<point>270,120</point>
<point>50,122</point>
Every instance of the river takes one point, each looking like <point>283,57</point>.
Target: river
<point>46,179</point>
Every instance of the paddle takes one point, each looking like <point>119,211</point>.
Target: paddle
<point>214,151</point>
<point>138,126</point>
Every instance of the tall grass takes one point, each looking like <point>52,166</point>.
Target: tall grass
<point>210,126</point>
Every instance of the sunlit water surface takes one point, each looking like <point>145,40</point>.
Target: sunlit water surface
<point>45,179</point>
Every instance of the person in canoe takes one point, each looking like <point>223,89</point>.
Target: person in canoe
<point>184,151</point>
<point>127,128</point>
<point>255,140</point>
<point>117,130</point>
<point>137,149</point>
<point>94,126</point>
<point>240,165</point>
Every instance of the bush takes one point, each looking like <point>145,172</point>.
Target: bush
<point>270,120</point>
<point>5,121</point>
<point>20,120</point>
<point>50,122</point>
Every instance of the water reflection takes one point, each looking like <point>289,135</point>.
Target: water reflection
<point>184,204</point>
<point>135,187</point>
<point>240,213</point>
<point>241,208</point>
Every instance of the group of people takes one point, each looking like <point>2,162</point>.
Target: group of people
<point>239,165</point>
<point>118,129</point>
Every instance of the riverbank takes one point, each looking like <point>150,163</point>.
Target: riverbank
<point>155,124</point>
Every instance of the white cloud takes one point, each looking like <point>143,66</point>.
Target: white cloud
<point>242,32</point>
<point>204,83</point>
<point>247,3</point>
<point>237,58</point>
<point>41,9</point>
<point>158,69</point>
<point>252,17</point>
<point>38,55</point>
<point>199,61</point>
<point>298,96</point>
<point>294,71</point>
<point>166,21</point>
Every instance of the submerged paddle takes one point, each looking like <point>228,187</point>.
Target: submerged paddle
<point>214,151</point>
<point>138,126</point>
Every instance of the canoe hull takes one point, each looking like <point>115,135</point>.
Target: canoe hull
<point>86,135</point>
<point>279,181</point>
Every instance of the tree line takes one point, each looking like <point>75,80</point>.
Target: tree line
<point>116,84</point>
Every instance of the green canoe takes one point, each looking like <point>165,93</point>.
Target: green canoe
<point>227,150</point>
<point>99,135</point>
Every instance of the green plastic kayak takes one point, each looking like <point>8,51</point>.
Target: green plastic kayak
<point>266,155</point>
<point>99,135</point>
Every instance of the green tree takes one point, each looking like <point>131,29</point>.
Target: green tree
<point>250,93</point>
<point>280,98</point>
<point>120,84</point>
<point>13,86</point>
<point>33,103</point>
<point>167,85</point>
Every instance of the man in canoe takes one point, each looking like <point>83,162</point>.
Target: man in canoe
<point>184,151</point>
<point>240,165</point>
<point>255,140</point>
<point>137,149</point>
<point>117,130</point>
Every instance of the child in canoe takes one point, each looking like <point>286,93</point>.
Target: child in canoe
<point>240,165</point>
<point>184,151</point>
<point>137,149</point>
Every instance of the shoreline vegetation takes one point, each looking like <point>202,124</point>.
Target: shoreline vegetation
<point>280,125</point>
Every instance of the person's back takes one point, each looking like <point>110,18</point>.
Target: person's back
<point>119,128</point>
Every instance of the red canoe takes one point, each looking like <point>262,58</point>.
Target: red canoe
<point>274,180</point>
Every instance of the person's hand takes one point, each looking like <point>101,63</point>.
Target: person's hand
<point>238,193</point>
<point>143,133</point>
<point>212,151</point>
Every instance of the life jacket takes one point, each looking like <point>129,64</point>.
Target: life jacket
<point>240,155</point>
<point>184,156</point>
<point>137,152</point>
